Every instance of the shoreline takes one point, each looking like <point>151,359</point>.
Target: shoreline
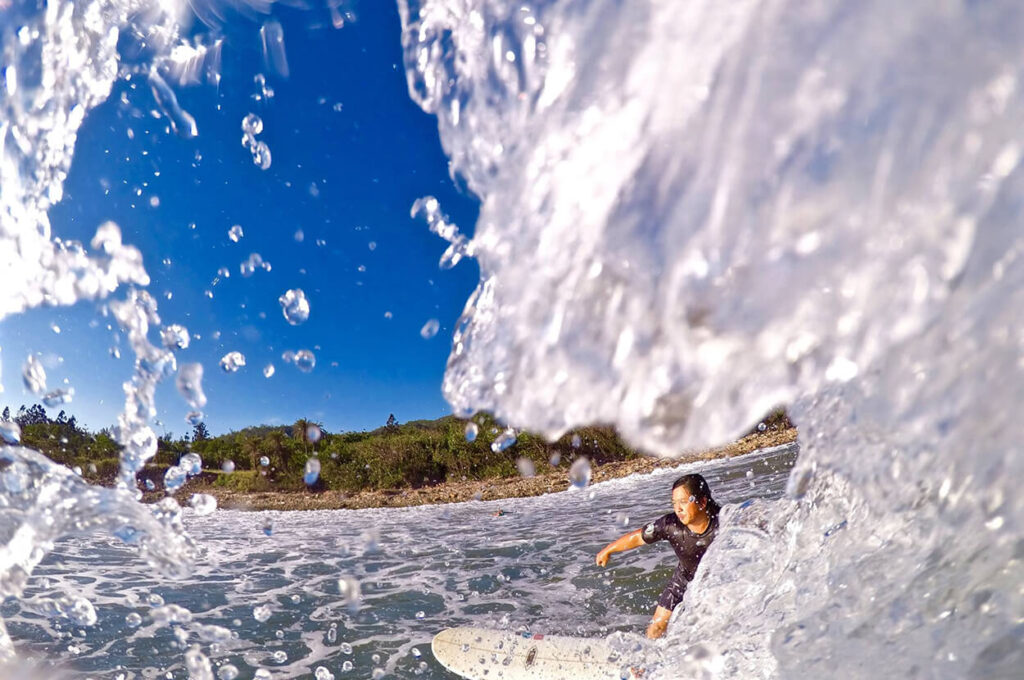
<point>458,492</point>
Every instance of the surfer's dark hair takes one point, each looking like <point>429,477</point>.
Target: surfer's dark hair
<point>695,484</point>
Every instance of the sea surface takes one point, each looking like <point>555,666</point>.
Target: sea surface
<point>418,570</point>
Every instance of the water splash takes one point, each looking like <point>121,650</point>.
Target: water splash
<point>645,204</point>
<point>32,521</point>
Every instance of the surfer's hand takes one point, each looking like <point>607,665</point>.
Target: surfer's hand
<point>602,557</point>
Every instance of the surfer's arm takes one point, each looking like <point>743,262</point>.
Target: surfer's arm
<point>631,540</point>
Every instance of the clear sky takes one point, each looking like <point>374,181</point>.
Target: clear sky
<point>350,154</point>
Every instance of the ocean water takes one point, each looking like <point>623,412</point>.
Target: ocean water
<point>418,570</point>
<point>690,212</point>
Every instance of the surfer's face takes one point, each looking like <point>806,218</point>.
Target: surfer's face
<point>685,505</point>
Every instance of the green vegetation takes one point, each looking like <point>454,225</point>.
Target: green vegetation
<point>394,456</point>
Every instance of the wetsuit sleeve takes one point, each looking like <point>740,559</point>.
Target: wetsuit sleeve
<point>654,531</point>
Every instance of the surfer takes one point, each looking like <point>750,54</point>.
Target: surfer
<point>689,529</point>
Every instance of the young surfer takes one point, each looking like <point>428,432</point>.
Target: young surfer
<point>689,529</point>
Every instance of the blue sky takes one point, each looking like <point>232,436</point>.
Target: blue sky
<point>351,152</point>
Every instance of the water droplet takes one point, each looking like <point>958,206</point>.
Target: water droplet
<point>254,262</point>
<point>761,427</point>
<point>262,674</point>
<point>579,473</point>
<point>232,361</point>
<point>429,329</point>
<point>459,246</point>
<point>322,673</point>
<point>472,430</point>
<point>332,635</point>
<point>150,486</point>
<point>265,91</point>
<point>174,336</point>
<point>261,613</point>
<point>228,466</point>
<point>203,504</point>
<point>261,155</point>
<point>191,463</point>
<point>274,56</point>
<point>525,467</point>
<point>133,620</point>
<point>351,596</point>
<point>312,472</point>
<point>347,666</point>
<point>622,519</point>
<point>504,440</point>
<point>294,306</point>
<point>227,672</point>
<point>190,385</point>
<point>280,656</point>
<point>346,648</point>
<point>235,233</point>
<point>174,478</point>
<point>421,615</point>
<point>268,370</point>
<point>305,361</point>
<point>59,396</point>
<point>576,441</point>
<point>313,433</point>
<point>252,125</point>
<point>10,432</point>
<point>555,459</point>
<point>372,245</point>
<point>416,653</point>
<point>264,461</point>
<point>182,122</point>
<point>268,526</point>
<point>34,375</point>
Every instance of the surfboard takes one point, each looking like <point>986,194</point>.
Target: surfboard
<point>484,654</point>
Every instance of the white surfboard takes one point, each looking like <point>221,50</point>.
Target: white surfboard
<point>484,654</point>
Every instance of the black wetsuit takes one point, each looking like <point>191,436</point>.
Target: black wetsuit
<point>689,547</point>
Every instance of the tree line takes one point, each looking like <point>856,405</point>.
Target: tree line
<point>393,456</point>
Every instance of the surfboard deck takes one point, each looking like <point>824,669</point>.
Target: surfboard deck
<point>485,654</point>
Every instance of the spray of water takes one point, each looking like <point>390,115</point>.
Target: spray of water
<point>692,212</point>
<point>58,63</point>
